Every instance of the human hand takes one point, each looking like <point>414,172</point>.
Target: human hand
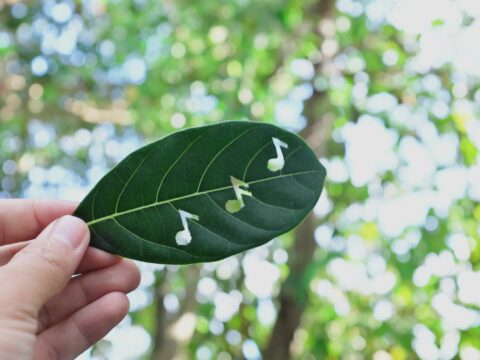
<point>45,313</point>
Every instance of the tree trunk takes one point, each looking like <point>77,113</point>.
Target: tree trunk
<point>293,298</point>
<point>166,341</point>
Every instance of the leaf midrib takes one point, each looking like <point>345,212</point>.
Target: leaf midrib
<point>157,203</point>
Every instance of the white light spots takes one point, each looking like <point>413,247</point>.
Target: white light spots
<point>207,287</point>
<point>204,353</point>
<point>459,243</point>
<point>216,327</point>
<point>178,120</point>
<point>421,276</point>
<point>383,310</point>
<point>323,288</point>
<point>323,206</point>
<point>9,167</point>
<point>288,113</point>
<point>356,249</point>
<point>381,102</point>
<point>352,276</point>
<point>376,265</point>
<point>334,295</point>
<point>419,167</point>
<point>260,275</point>
<point>266,312</point>
<point>83,137</point>
<point>227,268</point>
<point>426,12</point>
<point>261,41</point>
<point>61,12</point>
<point>455,315</point>
<point>5,39</point>
<point>301,92</point>
<point>449,344</point>
<point>329,47</point>
<point>473,130</point>
<point>402,246</point>
<point>39,65</point>
<point>139,299</point>
<point>183,329</point>
<point>444,149</point>
<point>452,182</point>
<point>41,134</point>
<point>250,350</point>
<point>366,158</point>
<point>382,355</point>
<point>227,304</point>
<point>178,50</point>
<point>280,256</point>
<point>424,343</point>
<point>468,289</point>
<point>218,34</point>
<point>468,352</point>
<point>466,56</point>
<point>128,342</point>
<point>65,43</point>
<point>397,214</point>
<point>342,24</point>
<point>302,68</point>
<point>234,337</point>
<point>245,96</point>
<point>107,48</point>
<point>442,264</point>
<point>459,90</point>
<point>336,169</point>
<point>171,303</point>
<point>19,10</point>
<point>135,70</point>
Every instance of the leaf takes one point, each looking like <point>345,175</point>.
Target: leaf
<point>203,194</point>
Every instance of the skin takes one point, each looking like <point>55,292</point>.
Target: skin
<point>45,311</point>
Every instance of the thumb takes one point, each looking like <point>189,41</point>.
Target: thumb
<point>43,268</point>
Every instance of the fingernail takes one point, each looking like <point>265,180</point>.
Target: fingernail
<point>71,230</point>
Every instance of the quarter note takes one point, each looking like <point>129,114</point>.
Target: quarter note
<point>183,237</point>
<point>278,162</point>
<point>232,206</point>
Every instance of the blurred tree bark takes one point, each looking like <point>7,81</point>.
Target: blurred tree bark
<point>166,344</point>
<point>293,298</point>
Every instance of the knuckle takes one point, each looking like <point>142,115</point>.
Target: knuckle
<point>49,352</point>
<point>43,319</point>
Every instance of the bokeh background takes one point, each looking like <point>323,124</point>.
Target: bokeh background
<point>385,91</point>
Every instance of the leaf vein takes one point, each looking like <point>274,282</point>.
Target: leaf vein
<point>157,203</point>
<point>218,154</point>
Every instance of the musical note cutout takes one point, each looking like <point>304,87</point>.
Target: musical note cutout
<point>184,237</point>
<point>277,163</point>
<point>233,206</point>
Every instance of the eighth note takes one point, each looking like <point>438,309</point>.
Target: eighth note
<point>183,237</point>
<point>233,206</point>
<point>277,163</point>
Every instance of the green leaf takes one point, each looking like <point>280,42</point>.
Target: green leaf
<point>225,181</point>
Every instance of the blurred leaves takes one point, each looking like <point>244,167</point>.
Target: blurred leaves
<point>395,271</point>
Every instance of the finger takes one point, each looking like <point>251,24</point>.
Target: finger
<point>83,290</point>
<point>94,258</point>
<point>24,219</point>
<point>77,333</point>
<point>7,252</point>
<point>44,267</point>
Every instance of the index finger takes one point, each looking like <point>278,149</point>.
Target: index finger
<point>24,219</point>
